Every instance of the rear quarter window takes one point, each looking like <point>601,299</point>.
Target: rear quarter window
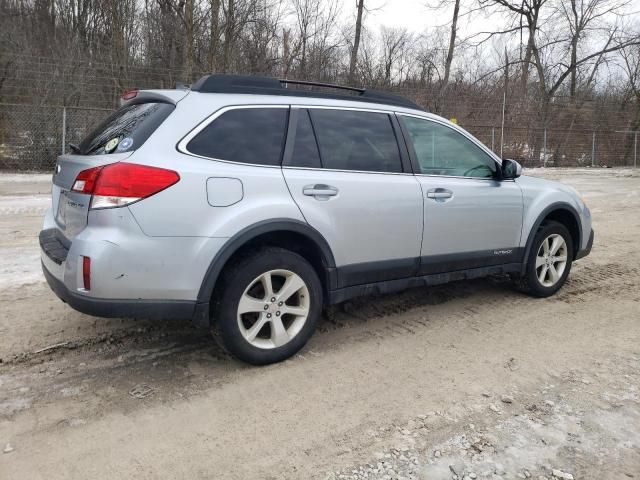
<point>126,129</point>
<point>245,135</point>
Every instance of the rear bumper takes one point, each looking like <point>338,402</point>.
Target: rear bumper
<point>586,250</point>
<point>132,274</point>
<point>114,308</point>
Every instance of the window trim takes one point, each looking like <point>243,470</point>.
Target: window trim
<point>414,160</point>
<point>182,144</point>
<point>405,161</point>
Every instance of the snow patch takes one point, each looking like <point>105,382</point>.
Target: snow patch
<point>25,177</point>
<point>24,204</point>
<point>20,266</point>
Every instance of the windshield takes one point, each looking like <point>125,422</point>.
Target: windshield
<point>126,129</point>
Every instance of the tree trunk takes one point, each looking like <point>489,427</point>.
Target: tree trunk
<point>526,63</point>
<point>229,33</point>
<point>189,40</point>
<point>452,43</point>
<point>214,34</point>
<point>356,43</point>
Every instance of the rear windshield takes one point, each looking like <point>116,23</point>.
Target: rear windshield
<point>126,129</point>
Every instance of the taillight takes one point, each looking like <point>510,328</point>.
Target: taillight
<point>120,184</point>
<point>86,180</point>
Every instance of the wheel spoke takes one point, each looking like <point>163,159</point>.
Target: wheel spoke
<point>250,304</point>
<point>545,246</point>
<point>265,279</point>
<point>561,258</point>
<point>540,261</point>
<point>556,244</point>
<point>542,276</point>
<point>553,273</point>
<point>291,286</point>
<point>279,334</point>
<point>251,333</point>
<point>297,311</point>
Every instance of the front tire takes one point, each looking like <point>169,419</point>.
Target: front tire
<point>549,261</point>
<point>268,306</point>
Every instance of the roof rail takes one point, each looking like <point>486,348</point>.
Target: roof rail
<point>272,86</point>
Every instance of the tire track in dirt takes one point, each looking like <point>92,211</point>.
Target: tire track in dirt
<point>493,293</point>
<point>178,345</point>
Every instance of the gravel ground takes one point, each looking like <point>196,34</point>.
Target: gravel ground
<point>467,380</point>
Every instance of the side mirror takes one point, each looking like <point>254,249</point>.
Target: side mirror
<point>510,169</point>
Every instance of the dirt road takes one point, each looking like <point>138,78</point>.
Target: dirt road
<point>468,380</point>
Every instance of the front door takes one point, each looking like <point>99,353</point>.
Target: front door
<point>471,218</point>
<point>344,171</point>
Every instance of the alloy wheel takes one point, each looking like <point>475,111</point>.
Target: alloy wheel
<point>551,260</point>
<point>273,309</point>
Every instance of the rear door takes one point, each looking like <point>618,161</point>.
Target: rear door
<point>471,218</point>
<point>350,179</point>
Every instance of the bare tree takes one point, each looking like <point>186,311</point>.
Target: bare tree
<point>356,41</point>
<point>214,33</point>
<point>394,48</point>
<point>452,43</point>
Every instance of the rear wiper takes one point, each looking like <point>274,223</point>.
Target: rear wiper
<point>74,148</point>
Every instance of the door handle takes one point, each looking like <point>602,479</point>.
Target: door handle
<point>439,193</point>
<point>320,190</point>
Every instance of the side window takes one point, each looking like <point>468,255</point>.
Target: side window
<point>305,148</point>
<point>352,140</point>
<point>247,135</point>
<point>443,151</point>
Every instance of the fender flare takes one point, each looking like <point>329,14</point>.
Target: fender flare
<point>550,209</point>
<point>251,232</point>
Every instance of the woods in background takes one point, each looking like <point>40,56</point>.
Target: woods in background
<point>571,66</point>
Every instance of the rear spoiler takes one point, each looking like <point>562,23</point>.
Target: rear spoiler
<point>132,97</point>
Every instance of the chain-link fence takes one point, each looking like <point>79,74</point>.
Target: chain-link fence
<point>561,147</point>
<point>31,137</point>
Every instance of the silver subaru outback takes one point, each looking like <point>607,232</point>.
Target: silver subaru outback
<point>249,203</point>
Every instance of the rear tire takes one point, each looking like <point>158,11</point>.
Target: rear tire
<point>549,261</point>
<point>268,306</point>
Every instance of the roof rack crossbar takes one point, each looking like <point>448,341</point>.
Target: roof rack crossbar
<point>245,84</point>
<point>321,84</point>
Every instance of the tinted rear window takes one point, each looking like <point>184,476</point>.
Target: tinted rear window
<point>126,129</point>
<point>352,140</point>
<point>246,135</point>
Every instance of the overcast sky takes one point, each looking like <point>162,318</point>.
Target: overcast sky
<point>412,14</point>
<point>416,17</point>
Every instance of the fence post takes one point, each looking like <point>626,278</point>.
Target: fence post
<point>544,147</point>
<point>635,150</point>
<point>493,139</point>
<point>593,150</point>
<point>64,129</point>
<point>504,107</point>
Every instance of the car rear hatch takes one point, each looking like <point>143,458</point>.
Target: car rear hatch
<point>114,140</point>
